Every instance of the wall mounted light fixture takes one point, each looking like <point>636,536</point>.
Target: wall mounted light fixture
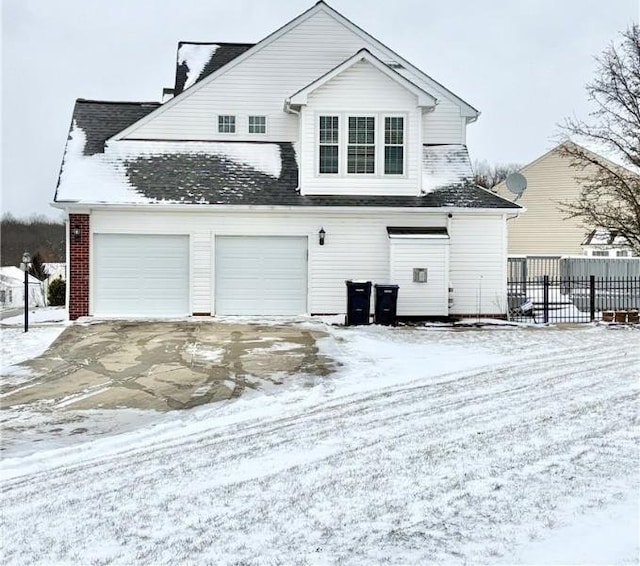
<point>76,233</point>
<point>321,236</point>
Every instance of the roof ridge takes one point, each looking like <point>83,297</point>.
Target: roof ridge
<point>216,43</point>
<point>90,101</point>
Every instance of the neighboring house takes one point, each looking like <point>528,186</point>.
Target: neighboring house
<point>276,172</point>
<point>54,271</point>
<point>544,228</point>
<point>12,288</point>
<point>606,243</point>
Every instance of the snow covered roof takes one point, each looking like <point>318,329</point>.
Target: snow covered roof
<point>12,275</point>
<point>605,237</point>
<point>445,165</point>
<point>196,60</point>
<point>232,173</point>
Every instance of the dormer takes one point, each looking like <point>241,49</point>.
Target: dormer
<point>361,129</point>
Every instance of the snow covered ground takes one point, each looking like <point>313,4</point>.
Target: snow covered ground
<point>428,446</point>
<point>45,325</point>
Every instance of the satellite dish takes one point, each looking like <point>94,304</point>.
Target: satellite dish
<point>516,183</point>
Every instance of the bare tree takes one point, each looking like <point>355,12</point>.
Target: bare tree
<point>37,234</point>
<point>488,176</point>
<point>610,195</point>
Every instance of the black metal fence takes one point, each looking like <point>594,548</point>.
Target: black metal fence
<point>574,299</point>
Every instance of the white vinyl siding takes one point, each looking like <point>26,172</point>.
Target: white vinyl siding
<point>444,125</point>
<point>140,275</point>
<point>359,92</point>
<point>430,298</point>
<point>477,264</point>
<point>264,275</point>
<point>356,247</point>
<point>261,83</point>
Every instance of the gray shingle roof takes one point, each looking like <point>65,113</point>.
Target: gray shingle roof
<point>227,173</point>
<point>101,119</point>
<point>222,54</point>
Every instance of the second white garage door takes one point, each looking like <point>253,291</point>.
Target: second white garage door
<point>261,275</point>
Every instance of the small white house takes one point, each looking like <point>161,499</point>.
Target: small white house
<point>12,289</point>
<point>602,242</point>
<point>277,171</point>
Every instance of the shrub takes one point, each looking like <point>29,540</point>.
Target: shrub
<point>57,292</point>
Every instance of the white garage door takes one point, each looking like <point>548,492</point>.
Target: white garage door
<point>261,275</point>
<point>140,275</point>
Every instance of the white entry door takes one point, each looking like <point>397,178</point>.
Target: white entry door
<point>140,275</point>
<point>261,275</point>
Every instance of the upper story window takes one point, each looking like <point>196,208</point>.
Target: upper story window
<point>257,124</point>
<point>329,144</point>
<point>361,149</point>
<point>394,145</point>
<point>367,145</point>
<point>226,124</point>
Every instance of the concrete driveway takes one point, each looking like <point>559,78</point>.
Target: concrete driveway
<point>165,365</point>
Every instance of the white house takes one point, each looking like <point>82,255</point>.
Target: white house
<point>276,172</point>
<point>12,288</point>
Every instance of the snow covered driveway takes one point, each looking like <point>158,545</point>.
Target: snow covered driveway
<point>427,447</point>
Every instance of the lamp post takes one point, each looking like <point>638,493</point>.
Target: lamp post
<point>25,265</point>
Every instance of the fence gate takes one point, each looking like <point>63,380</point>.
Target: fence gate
<point>555,297</point>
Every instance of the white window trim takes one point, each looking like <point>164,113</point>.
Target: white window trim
<point>266,124</point>
<point>343,125</point>
<point>316,143</point>
<point>235,124</point>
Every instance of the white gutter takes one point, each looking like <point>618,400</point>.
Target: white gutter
<point>208,208</point>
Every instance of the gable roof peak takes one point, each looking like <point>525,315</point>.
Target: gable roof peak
<point>425,99</point>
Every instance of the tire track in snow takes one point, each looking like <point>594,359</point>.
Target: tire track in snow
<point>437,421</point>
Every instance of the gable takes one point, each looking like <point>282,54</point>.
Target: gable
<point>362,87</point>
<point>300,53</point>
<point>363,70</point>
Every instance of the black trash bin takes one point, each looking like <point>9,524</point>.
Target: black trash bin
<point>358,302</point>
<point>386,305</point>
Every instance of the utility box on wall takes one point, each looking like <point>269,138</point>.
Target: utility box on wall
<point>419,274</point>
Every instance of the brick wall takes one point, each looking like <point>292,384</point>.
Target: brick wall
<point>78,266</point>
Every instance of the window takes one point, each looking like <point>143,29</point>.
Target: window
<point>361,147</point>
<point>226,124</point>
<point>600,253</point>
<point>393,145</point>
<point>329,143</point>
<point>622,253</point>
<point>366,145</point>
<point>257,124</point>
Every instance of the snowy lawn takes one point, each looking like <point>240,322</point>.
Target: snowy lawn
<point>45,325</point>
<point>428,446</point>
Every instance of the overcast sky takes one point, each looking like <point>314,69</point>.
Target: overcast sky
<point>522,63</point>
